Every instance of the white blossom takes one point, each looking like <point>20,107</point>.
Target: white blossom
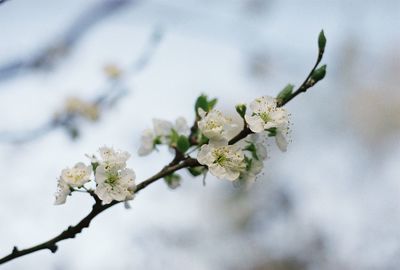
<point>222,160</point>
<point>214,125</point>
<point>181,126</point>
<point>256,153</point>
<point>114,181</point>
<point>113,158</point>
<point>161,133</point>
<point>280,140</point>
<point>162,129</point>
<point>249,174</point>
<point>76,176</point>
<point>147,142</point>
<point>70,178</point>
<point>63,190</point>
<point>114,184</point>
<point>265,115</point>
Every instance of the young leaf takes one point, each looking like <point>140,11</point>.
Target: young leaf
<point>321,41</point>
<point>173,180</point>
<point>201,102</point>
<point>318,74</point>
<point>183,144</point>
<point>196,171</point>
<point>285,93</point>
<point>211,104</point>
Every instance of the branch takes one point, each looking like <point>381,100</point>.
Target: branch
<point>308,83</point>
<point>179,162</point>
<point>72,231</point>
<point>48,56</point>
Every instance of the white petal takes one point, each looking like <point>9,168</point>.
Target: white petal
<point>162,127</point>
<point>281,141</point>
<point>217,171</point>
<point>205,156</point>
<point>256,124</point>
<point>232,175</point>
<point>181,126</point>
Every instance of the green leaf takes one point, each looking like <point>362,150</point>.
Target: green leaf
<point>321,41</point>
<point>201,102</point>
<point>211,104</point>
<point>183,144</point>
<point>173,137</point>
<point>318,74</point>
<point>285,93</point>
<point>196,171</point>
<point>173,180</point>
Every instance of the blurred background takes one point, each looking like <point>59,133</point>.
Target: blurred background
<point>330,202</point>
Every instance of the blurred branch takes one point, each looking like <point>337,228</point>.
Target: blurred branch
<point>3,1</point>
<point>111,93</point>
<point>48,57</point>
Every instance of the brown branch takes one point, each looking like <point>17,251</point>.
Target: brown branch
<point>178,163</point>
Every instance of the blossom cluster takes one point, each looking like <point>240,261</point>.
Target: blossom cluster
<point>211,136</point>
<point>113,180</point>
<point>242,161</point>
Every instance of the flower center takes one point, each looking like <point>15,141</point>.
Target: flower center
<point>220,157</point>
<point>212,124</point>
<point>265,117</point>
<point>112,179</point>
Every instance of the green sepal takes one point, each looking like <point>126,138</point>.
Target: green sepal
<point>252,149</point>
<point>272,131</point>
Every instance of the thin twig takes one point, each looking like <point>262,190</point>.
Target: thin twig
<point>308,83</point>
